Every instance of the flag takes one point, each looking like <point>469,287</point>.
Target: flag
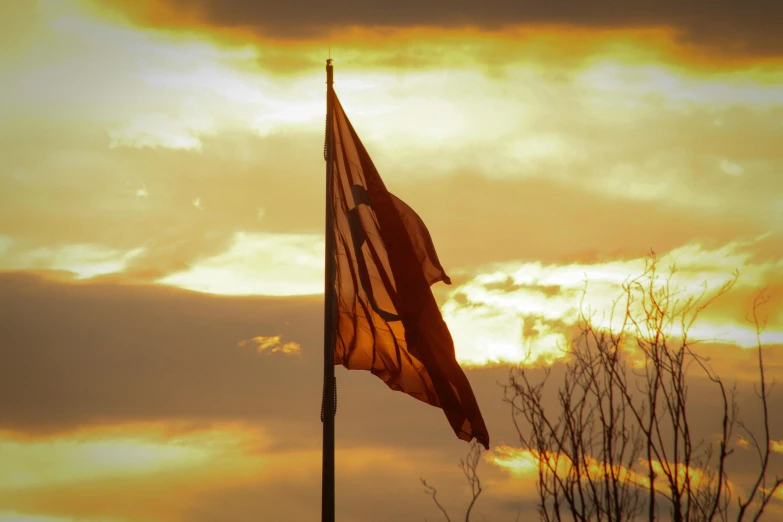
<point>387,320</point>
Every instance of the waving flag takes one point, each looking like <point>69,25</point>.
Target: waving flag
<point>387,320</point>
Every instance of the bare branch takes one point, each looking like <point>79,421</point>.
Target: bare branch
<point>431,491</point>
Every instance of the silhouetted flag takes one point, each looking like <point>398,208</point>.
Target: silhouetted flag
<point>387,319</point>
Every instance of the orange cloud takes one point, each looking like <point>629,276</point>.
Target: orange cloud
<point>157,471</point>
<point>271,344</point>
<point>199,132</point>
<point>705,31</point>
<point>525,311</point>
<point>103,472</point>
<point>258,263</point>
<point>526,463</point>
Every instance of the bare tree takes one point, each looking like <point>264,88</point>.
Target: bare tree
<point>469,466</point>
<point>760,487</point>
<point>615,439</point>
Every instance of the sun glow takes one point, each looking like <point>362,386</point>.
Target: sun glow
<point>83,260</point>
<point>269,264</point>
<point>121,451</point>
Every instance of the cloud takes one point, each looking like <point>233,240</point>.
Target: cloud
<point>118,472</point>
<point>266,264</point>
<point>158,130</point>
<point>516,460</point>
<point>98,352</point>
<point>83,260</point>
<point>516,311</point>
<point>526,463</point>
<point>724,26</point>
<point>99,372</point>
<point>732,169</point>
<point>111,452</point>
<point>271,344</point>
<point>89,352</point>
<point>610,147</point>
<point>637,82</point>
<point>584,146</point>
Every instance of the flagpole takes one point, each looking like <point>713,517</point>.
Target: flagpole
<point>329,398</point>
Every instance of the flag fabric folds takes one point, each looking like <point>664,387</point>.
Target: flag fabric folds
<point>387,320</point>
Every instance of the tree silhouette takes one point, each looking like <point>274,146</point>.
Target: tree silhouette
<point>615,439</point>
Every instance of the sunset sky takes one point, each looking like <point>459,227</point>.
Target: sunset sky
<point>161,231</point>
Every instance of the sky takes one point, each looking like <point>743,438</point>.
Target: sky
<point>161,232</point>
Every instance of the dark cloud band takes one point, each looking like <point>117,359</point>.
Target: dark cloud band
<point>750,27</point>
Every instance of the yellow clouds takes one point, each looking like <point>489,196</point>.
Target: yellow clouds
<point>115,473</point>
<point>640,84</point>
<point>67,459</point>
<point>145,88</point>
<point>271,344</point>
<point>194,156</point>
<point>557,126</point>
<point>161,88</point>
<point>517,461</point>
<point>525,311</point>
<point>160,130</point>
<point>527,463</point>
<point>523,463</point>
<point>155,472</point>
<point>269,264</point>
<point>166,473</point>
<point>83,260</point>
